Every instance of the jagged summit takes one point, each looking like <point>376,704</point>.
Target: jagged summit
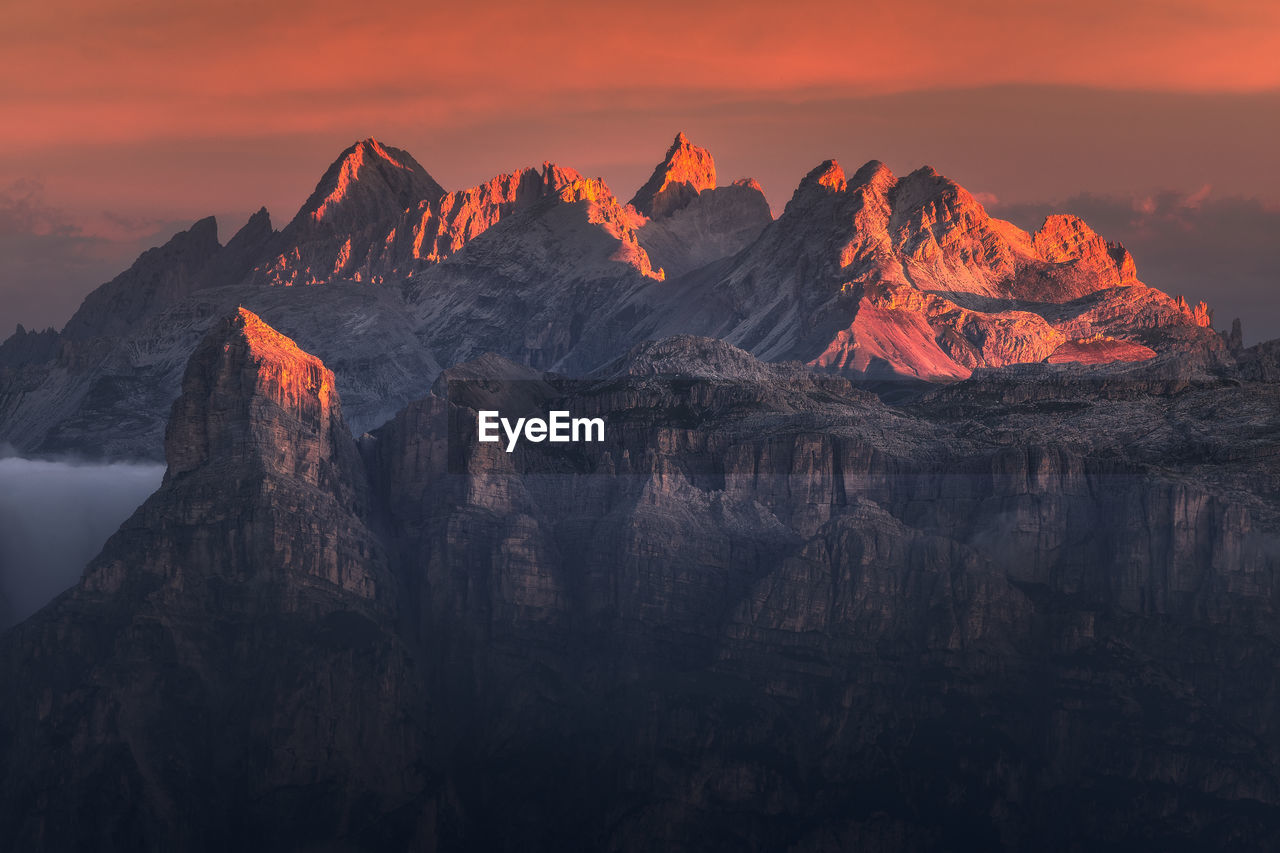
<point>245,377</point>
<point>863,273</point>
<point>158,278</point>
<point>255,227</point>
<point>685,171</point>
<point>364,180</point>
<point>910,276</point>
<point>355,205</point>
<point>434,230</point>
<point>687,221</point>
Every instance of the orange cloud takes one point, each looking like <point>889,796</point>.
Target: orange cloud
<point>119,71</point>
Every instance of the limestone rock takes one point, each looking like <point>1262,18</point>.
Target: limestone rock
<point>767,594</point>
<point>684,172</point>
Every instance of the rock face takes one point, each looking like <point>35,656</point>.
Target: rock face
<point>717,223</point>
<point>682,175</point>
<point>557,285</point>
<point>430,232</point>
<point>348,215</point>
<point>1036,609</point>
<point>911,277</point>
<point>230,652</point>
<point>687,221</point>
<point>873,277</point>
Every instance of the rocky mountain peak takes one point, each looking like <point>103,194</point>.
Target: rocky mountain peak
<point>875,175</point>
<point>254,231</point>
<point>202,236</point>
<point>925,186</point>
<point>361,197</point>
<point>243,250</point>
<point>250,395</point>
<point>366,182</point>
<point>159,277</point>
<point>828,180</point>
<point>685,171</point>
<point>1065,238</point>
<point>824,178</point>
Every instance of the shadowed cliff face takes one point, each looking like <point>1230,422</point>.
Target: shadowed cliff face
<point>1034,610</point>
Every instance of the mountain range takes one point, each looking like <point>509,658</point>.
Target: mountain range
<point>389,279</point>
<point>910,531</point>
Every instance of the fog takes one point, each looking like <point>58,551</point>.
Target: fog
<point>54,518</point>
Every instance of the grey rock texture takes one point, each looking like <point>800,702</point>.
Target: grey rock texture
<point>228,655</point>
<point>1033,610</point>
<point>910,277</point>
<point>389,278</point>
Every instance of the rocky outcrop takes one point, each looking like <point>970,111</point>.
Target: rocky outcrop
<point>558,285</point>
<point>769,612</point>
<point>686,220</point>
<point>230,653</point>
<point>683,174</point>
<point>359,198</point>
<point>911,277</point>
<point>259,430</point>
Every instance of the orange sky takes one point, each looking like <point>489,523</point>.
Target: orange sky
<point>130,116</point>
<point>106,75</point>
<point>129,71</point>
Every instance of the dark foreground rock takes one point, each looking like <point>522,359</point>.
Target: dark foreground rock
<point>1036,610</point>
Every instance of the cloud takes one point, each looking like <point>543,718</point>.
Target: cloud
<point>1224,250</point>
<point>54,518</point>
<point>146,68</point>
<point>23,211</point>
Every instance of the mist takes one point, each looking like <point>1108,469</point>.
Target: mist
<point>54,518</point>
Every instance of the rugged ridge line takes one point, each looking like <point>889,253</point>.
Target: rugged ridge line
<point>873,276</point>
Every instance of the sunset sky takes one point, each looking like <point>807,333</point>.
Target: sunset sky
<point>121,122</point>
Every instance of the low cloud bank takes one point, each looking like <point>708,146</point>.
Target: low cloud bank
<point>54,518</point>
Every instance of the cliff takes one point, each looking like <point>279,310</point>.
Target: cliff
<point>231,651</point>
<point>1035,609</point>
